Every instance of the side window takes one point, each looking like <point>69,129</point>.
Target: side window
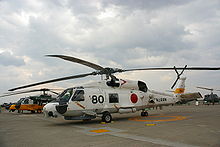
<point>35,102</point>
<point>142,86</point>
<point>78,95</point>
<point>113,98</point>
<point>31,101</point>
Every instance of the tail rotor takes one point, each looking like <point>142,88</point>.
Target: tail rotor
<point>178,75</point>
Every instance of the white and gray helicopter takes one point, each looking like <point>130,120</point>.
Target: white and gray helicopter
<point>111,95</point>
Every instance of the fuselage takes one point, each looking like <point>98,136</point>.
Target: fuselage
<point>32,103</point>
<point>95,98</point>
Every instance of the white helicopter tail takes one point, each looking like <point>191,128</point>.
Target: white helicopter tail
<point>181,86</point>
<point>180,92</point>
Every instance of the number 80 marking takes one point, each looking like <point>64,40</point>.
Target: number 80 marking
<point>96,99</point>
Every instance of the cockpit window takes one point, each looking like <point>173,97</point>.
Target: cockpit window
<point>65,95</point>
<point>78,95</point>
<point>21,99</point>
<point>26,101</point>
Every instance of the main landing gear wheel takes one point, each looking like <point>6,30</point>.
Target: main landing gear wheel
<point>106,117</point>
<point>144,113</point>
<point>39,111</point>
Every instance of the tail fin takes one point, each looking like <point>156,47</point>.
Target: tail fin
<point>181,86</point>
<point>185,97</point>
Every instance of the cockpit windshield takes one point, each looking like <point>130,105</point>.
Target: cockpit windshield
<point>26,101</point>
<point>21,99</point>
<point>65,95</point>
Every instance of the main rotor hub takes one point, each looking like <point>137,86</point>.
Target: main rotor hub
<point>108,71</point>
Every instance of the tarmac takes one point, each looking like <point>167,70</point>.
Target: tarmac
<point>176,126</point>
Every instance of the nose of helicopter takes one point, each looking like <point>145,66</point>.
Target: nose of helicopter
<point>61,108</point>
<point>49,109</point>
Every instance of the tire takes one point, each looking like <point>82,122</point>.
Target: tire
<point>144,113</point>
<point>106,117</point>
<point>39,111</point>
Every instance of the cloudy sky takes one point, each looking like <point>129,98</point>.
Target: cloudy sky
<point>114,33</point>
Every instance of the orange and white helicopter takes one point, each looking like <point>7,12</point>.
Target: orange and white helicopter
<point>32,103</point>
<point>111,95</point>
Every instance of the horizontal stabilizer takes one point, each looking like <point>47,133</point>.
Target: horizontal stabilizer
<point>190,96</point>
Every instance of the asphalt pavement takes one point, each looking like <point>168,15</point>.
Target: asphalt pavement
<point>177,126</point>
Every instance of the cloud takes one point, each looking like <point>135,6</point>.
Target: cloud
<point>113,33</point>
<point>8,59</point>
<point>146,5</point>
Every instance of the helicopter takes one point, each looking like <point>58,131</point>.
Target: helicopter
<point>31,103</point>
<point>210,98</point>
<point>111,95</point>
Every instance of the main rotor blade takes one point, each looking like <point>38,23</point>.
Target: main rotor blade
<point>15,93</point>
<point>205,88</point>
<point>21,92</point>
<point>172,68</point>
<point>80,61</point>
<point>33,90</point>
<point>53,80</point>
<point>55,92</point>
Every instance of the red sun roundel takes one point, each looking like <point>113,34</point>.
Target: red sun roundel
<point>134,98</point>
